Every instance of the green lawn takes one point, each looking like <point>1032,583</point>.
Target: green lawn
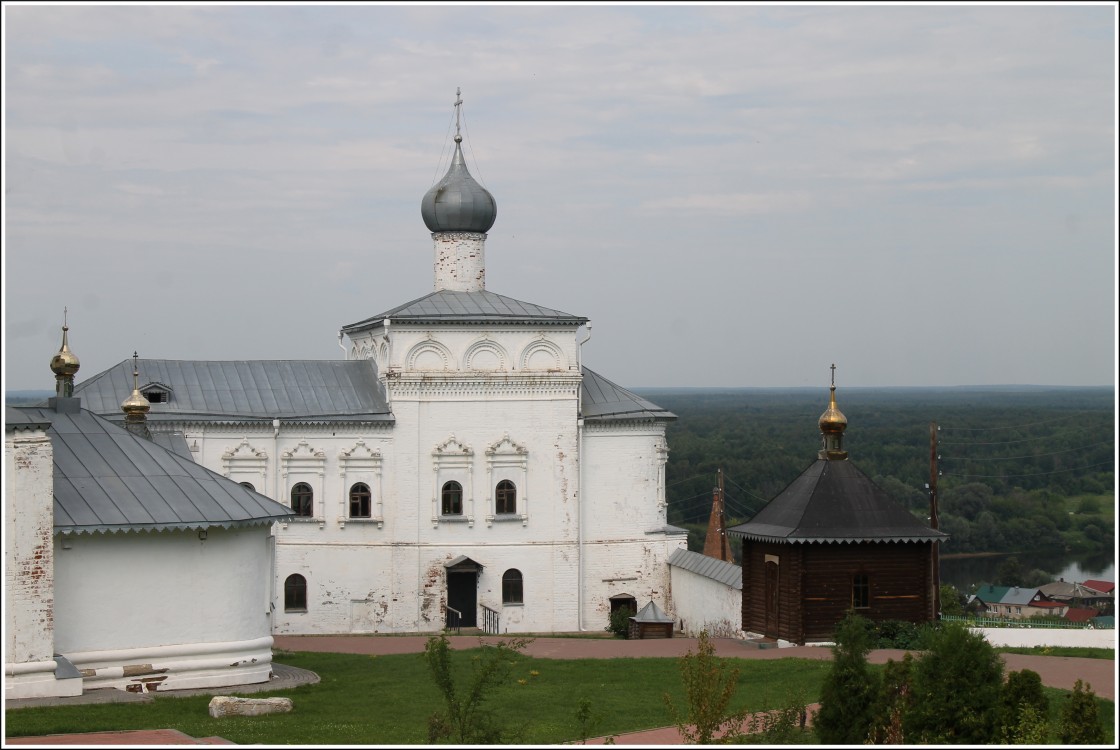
<point>386,700</point>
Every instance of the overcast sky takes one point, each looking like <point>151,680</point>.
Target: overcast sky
<point>734,195</point>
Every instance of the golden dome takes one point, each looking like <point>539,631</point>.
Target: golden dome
<point>65,363</point>
<point>136,405</point>
<point>833,420</point>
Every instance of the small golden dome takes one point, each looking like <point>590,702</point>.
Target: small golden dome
<point>65,363</point>
<point>136,405</point>
<point>833,420</point>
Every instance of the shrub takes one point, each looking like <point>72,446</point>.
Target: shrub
<point>1023,690</point>
<point>849,689</point>
<point>893,701</point>
<point>620,622</point>
<point>1080,722</point>
<point>956,690</point>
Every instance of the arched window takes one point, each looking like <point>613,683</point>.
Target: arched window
<point>295,593</point>
<point>302,498</point>
<point>359,500</point>
<point>505,497</point>
<point>452,499</point>
<point>512,590</point>
<point>248,485</point>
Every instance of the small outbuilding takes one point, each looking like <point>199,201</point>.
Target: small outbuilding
<point>651,622</point>
<point>830,542</point>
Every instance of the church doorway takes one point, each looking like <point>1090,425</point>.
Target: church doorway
<point>462,592</point>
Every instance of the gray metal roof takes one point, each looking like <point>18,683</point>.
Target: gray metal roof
<point>652,613</point>
<point>833,501</point>
<point>107,479</point>
<point>447,306</point>
<point>18,419</point>
<point>291,390</point>
<point>604,401</point>
<point>709,567</point>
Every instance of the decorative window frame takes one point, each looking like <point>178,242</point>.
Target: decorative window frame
<point>542,344</point>
<point>452,461</point>
<point>305,464</point>
<point>506,459</point>
<point>244,463</point>
<point>360,464</point>
<point>486,345</point>
<point>429,345</point>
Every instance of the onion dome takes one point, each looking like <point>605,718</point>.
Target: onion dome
<point>457,203</point>
<point>64,365</point>
<point>833,420</point>
<point>832,424</point>
<point>136,405</point>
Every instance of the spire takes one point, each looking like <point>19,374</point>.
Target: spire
<point>716,543</point>
<point>136,406</point>
<point>832,424</point>
<point>64,365</point>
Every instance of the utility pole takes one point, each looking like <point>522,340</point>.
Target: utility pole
<point>936,557</point>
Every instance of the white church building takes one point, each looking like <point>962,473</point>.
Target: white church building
<point>461,466</point>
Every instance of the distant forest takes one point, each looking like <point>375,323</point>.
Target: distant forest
<point>1025,468</point>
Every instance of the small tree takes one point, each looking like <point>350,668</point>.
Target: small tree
<point>952,603</point>
<point>620,621</point>
<point>709,684</point>
<point>891,704</point>
<point>849,688</point>
<point>465,719</point>
<point>1023,708</point>
<point>1080,721</point>
<point>955,690</point>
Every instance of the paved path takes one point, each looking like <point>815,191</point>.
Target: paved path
<point>1055,671</point>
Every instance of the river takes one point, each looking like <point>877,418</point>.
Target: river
<point>963,572</point>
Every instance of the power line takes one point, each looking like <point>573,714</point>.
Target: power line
<point>1036,455</point>
<point>1012,427</point>
<point>1013,442</point>
<point>1037,474</point>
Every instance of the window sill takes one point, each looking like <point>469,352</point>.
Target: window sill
<point>295,611</point>
<point>513,604</point>
<point>302,520</point>
<point>508,518</point>
<point>379,522</point>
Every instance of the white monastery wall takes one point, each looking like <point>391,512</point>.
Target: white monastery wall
<point>1048,637</point>
<point>701,603</point>
<point>624,479</point>
<point>165,608</point>
<point>29,572</point>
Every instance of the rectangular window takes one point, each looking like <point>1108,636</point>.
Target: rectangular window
<point>861,591</point>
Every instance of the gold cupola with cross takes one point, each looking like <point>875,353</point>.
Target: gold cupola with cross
<point>832,424</point>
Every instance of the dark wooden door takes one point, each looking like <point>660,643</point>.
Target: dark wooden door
<point>772,599</point>
<point>462,594</point>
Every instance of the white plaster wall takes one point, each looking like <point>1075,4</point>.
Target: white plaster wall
<point>29,568</point>
<point>1048,637</point>
<point>701,603</point>
<point>148,589</point>
<point>388,576</point>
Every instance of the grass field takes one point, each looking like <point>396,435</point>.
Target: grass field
<point>386,700</point>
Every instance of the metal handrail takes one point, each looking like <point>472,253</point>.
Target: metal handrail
<point>491,621</point>
<point>458,626</point>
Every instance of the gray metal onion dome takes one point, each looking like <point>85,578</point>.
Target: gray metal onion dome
<point>458,203</point>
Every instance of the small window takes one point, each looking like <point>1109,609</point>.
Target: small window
<point>295,593</point>
<point>512,592</point>
<point>248,486</point>
<point>359,500</point>
<point>302,498</point>
<point>505,497</point>
<point>452,499</point>
<point>861,591</point>
<point>156,397</point>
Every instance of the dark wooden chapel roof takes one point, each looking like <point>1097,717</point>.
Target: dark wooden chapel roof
<point>833,501</point>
